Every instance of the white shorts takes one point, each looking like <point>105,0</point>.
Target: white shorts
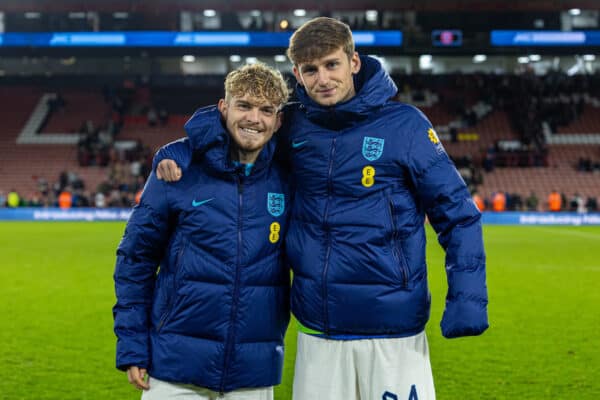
<point>161,390</point>
<point>366,369</point>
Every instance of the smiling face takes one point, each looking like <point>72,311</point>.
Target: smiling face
<point>251,122</point>
<point>329,80</point>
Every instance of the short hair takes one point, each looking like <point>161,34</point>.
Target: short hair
<point>257,80</point>
<point>319,37</point>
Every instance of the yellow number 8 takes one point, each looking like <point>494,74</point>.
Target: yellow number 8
<point>274,232</point>
<point>368,176</point>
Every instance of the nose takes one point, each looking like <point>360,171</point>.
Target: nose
<point>253,114</point>
<point>322,77</point>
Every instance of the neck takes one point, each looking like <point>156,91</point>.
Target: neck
<point>244,157</point>
<point>351,94</point>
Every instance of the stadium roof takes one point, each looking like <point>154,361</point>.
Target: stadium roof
<point>323,5</point>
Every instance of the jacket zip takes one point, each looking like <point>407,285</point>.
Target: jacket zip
<point>231,333</point>
<point>395,250</point>
<point>172,297</point>
<point>328,234</point>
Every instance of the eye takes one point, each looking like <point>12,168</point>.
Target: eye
<point>268,111</point>
<point>332,64</point>
<point>309,71</point>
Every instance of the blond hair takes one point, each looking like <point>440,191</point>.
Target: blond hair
<point>259,81</point>
<point>319,37</point>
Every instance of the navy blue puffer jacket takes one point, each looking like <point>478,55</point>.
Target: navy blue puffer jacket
<point>367,172</point>
<point>215,313</point>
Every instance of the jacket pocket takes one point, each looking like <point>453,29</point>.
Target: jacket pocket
<point>172,290</point>
<point>396,247</point>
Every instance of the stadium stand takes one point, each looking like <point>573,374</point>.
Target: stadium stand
<point>74,108</point>
<point>478,133</point>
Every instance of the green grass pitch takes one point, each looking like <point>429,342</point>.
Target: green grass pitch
<point>56,339</point>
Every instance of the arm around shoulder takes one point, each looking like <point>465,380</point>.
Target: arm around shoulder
<point>173,158</point>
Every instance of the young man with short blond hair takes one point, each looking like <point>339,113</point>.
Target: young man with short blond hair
<point>210,322</point>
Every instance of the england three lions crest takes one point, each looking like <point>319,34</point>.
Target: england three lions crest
<point>372,148</point>
<point>276,204</point>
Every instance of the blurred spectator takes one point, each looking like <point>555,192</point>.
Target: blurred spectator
<point>94,144</point>
<point>81,199</point>
<point>514,202</point>
<point>478,200</point>
<point>63,180</point>
<point>490,159</point>
<point>2,199</point>
<point>115,198</point>
<point>105,137</point>
<point>163,116</point>
<point>563,200</point>
<point>129,200</point>
<point>65,198</point>
<point>138,196</point>
<point>152,116</point>
<point>100,200</point>
<point>587,165</point>
<point>49,200</point>
<point>43,186</point>
<point>135,168</point>
<point>591,204</point>
<point>499,202</point>
<point>466,168</point>
<point>13,199</point>
<point>56,103</point>
<point>35,200</point>
<point>577,204</point>
<point>453,134</point>
<point>584,165</point>
<point>554,201</point>
<point>531,203</point>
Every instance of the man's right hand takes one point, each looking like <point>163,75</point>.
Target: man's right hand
<point>168,171</point>
<point>137,377</point>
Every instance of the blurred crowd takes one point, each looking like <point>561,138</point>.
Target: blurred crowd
<point>554,202</point>
<point>126,181</point>
<point>125,177</point>
<point>530,101</point>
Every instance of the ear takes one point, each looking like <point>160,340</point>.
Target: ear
<point>296,72</point>
<point>355,63</point>
<point>279,121</point>
<point>222,106</point>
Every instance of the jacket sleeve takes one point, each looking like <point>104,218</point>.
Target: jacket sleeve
<point>179,151</point>
<point>138,256</point>
<point>447,202</point>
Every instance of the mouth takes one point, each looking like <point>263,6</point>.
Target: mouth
<point>250,131</point>
<point>326,92</point>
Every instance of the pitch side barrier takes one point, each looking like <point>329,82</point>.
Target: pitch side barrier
<point>57,214</point>
<point>122,214</point>
<point>540,218</point>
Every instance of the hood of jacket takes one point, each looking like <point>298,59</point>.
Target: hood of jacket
<point>373,86</point>
<point>212,143</point>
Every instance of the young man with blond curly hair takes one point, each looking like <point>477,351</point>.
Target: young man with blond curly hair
<point>210,322</point>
